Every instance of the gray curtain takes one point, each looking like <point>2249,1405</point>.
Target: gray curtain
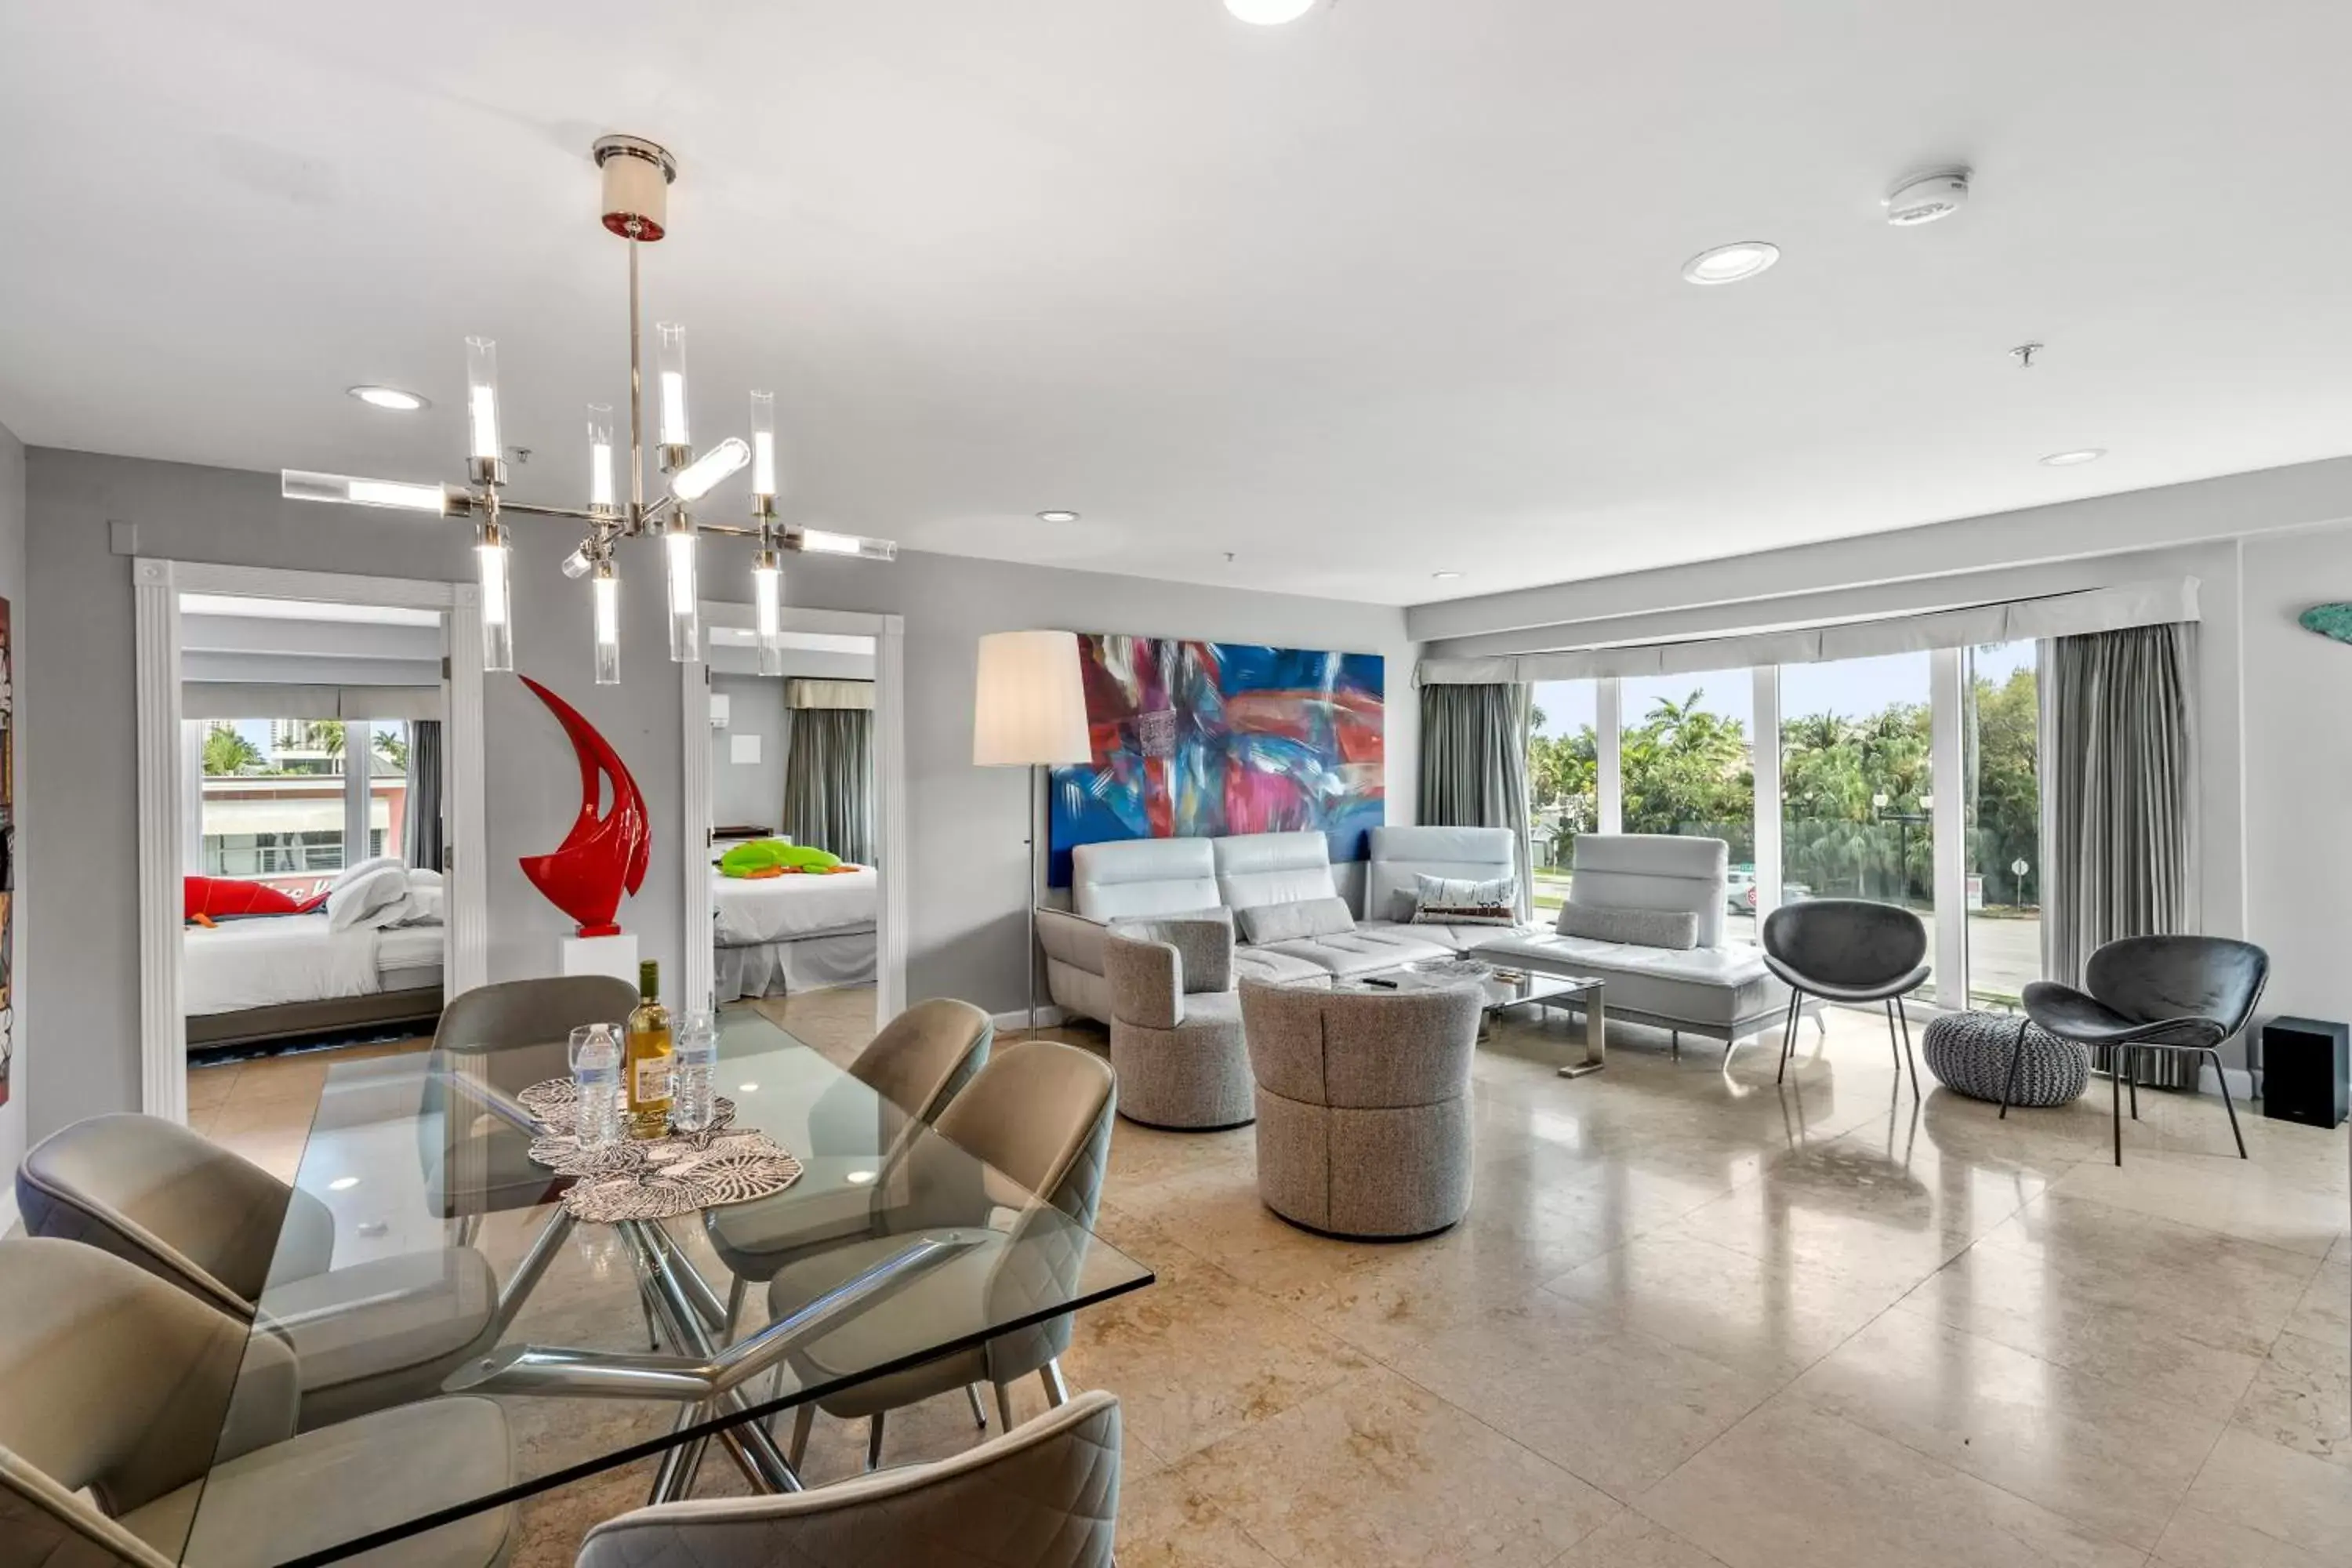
<point>1473,763</point>
<point>420,831</point>
<point>829,782</point>
<point>2119,802</point>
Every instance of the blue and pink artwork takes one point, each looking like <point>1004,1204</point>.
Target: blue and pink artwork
<point>1193,740</point>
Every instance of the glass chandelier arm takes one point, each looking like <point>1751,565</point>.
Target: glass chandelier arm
<point>763,445</point>
<point>698,477</point>
<point>482,398</point>
<point>822,541</point>
<point>347,489</point>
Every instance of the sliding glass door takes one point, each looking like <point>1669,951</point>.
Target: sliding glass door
<point>1563,785</point>
<point>1857,795</point>
<point>1687,759</point>
<point>2002,800</point>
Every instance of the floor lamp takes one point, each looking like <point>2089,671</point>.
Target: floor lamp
<point>1029,710</point>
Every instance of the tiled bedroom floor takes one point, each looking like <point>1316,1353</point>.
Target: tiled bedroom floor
<point>1689,1320</point>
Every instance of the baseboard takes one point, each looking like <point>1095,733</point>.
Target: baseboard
<point>1048,1018</point>
<point>2241,1083</point>
<point>8,1216</point>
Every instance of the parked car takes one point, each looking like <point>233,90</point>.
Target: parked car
<point>1739,892</point>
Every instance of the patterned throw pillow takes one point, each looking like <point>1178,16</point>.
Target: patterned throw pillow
<point>1459,901</point>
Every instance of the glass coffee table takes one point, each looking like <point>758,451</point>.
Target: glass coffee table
<point>1506,988</point>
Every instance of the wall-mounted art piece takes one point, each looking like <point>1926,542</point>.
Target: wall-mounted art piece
<point>2328,620</point>
<point>605,853</point>
<point>8,850</point>
<point>1199,738</point>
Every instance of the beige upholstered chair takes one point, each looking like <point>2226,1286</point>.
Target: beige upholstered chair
<point>121,1384</point>
<point>918,1064</point>
<point>1045,1495</point>
<point>1040,1113</point>
<point>1176,1023</point>
<point>193,1214</point>
<point>1363,1106</point>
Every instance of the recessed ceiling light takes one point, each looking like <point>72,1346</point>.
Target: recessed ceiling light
<point>2075,458</point>
<point>1731,263</point>
<point>1445,576</point>
<point>1057,516</point>
<point>1269,13</point>
<point>390,398</point>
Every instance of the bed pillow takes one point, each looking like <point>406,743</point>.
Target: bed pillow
<point>424,905</point>
<point>1461,902</point>
<point>1675,929</point>
<point>1294,921</point>
<point>365,869</point>
<point>370,898</point>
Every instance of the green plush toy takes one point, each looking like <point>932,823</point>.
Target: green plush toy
<point>775,857</point>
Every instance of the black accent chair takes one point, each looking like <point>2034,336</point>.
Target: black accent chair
<point>1848,950</point>
<point>2152,994</point>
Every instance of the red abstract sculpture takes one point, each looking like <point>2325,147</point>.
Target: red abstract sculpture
<point>602,855</point>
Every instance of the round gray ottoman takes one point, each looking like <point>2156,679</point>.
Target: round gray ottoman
<point>1969,1053</point>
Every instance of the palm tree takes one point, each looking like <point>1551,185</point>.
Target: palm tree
<point>226,752</point>
<point>393,749</point>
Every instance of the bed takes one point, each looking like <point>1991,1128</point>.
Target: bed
<point>248,981</point>
<point>774,935</point>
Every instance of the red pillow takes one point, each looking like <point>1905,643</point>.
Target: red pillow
<point>216,897</point>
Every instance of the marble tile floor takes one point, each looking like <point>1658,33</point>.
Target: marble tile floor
<point>1692,1319</point>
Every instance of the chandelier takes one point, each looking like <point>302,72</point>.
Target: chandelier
<point>638,175</point>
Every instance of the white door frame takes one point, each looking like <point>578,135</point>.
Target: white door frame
<point>156,587</point>
<point>889,635</point>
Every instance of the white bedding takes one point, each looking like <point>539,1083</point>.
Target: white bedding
<point>296,958</point>
<point>753,910</point>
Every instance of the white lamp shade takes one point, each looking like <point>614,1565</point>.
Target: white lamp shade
<point>1030,705</point>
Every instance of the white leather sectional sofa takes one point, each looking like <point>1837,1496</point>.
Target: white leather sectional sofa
<point>1716,988</point>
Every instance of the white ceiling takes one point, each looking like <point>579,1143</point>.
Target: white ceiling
<point>1388,291</point>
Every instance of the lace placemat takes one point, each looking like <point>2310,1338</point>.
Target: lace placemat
<point>655,1178</point>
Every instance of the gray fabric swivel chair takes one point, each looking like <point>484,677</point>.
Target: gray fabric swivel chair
<point>1040,1112</point>
<point>1045,1495</point>
<point>2152,994</point>
<point>121,1384</point>
<point>1363,1106</point>
<point>1176,1024</point>
<point>193,1214</point>
<point>1852,950</point>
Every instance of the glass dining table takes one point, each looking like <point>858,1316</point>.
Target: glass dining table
<point>645,1340</point>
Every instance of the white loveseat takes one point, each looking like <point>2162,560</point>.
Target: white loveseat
<point>1718,988</point>
<point>1140,879</point>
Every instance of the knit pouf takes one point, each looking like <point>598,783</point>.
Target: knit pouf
<point>1969,1053</point>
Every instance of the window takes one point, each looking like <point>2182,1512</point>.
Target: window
<point>279,803</point>
<point>2003,799</point>
<point>1686,759</point>
<point>1856,795</point>
<point>1563,783</point>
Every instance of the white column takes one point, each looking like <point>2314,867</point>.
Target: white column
<point>1765,753</point>
<point>1948,766</point>
<point>1605,708</point>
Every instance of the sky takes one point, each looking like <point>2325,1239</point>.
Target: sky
<point>1853,689</point>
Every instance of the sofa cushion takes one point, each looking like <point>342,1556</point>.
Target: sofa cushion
<point>1360,952</point>
<point>1277,968</point>
<point>1254,869</point>
<point>1265,924</point>
<point>1641,928</point>
<point>1400,854</point>
<point>1142,876</point>
<point>1457,900</point>
<point>1454,939</point>
<point>1713,986</point>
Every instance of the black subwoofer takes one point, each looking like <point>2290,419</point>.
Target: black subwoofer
<point>2307,1071</point>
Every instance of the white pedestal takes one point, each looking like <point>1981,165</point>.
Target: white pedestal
<point>613,955</point>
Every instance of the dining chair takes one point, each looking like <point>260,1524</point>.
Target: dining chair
<point>1045,1495</point>
<point>2150,994</point>
<point>131,1402</point>
<point>1852,950</point>
<point>1038,1115</point>
<point>375,1333</point>
<point>496,1172</point>
<point>919,1062</point>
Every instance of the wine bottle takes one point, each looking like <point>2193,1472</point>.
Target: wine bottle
<point>647,1073</point>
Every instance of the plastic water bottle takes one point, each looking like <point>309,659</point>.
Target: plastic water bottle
<point>596,1076</point>
<point>696,1098</point>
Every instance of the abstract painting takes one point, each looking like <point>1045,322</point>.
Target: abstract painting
<point>1198,739</point>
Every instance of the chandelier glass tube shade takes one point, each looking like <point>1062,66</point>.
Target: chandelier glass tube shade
<point>637,174</point>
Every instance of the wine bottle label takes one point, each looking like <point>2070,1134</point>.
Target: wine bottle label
<point>651,1080</point>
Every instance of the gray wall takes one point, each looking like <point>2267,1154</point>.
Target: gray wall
<point>967,860</point>
<point>11,588</point>
<point>749,792</point>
